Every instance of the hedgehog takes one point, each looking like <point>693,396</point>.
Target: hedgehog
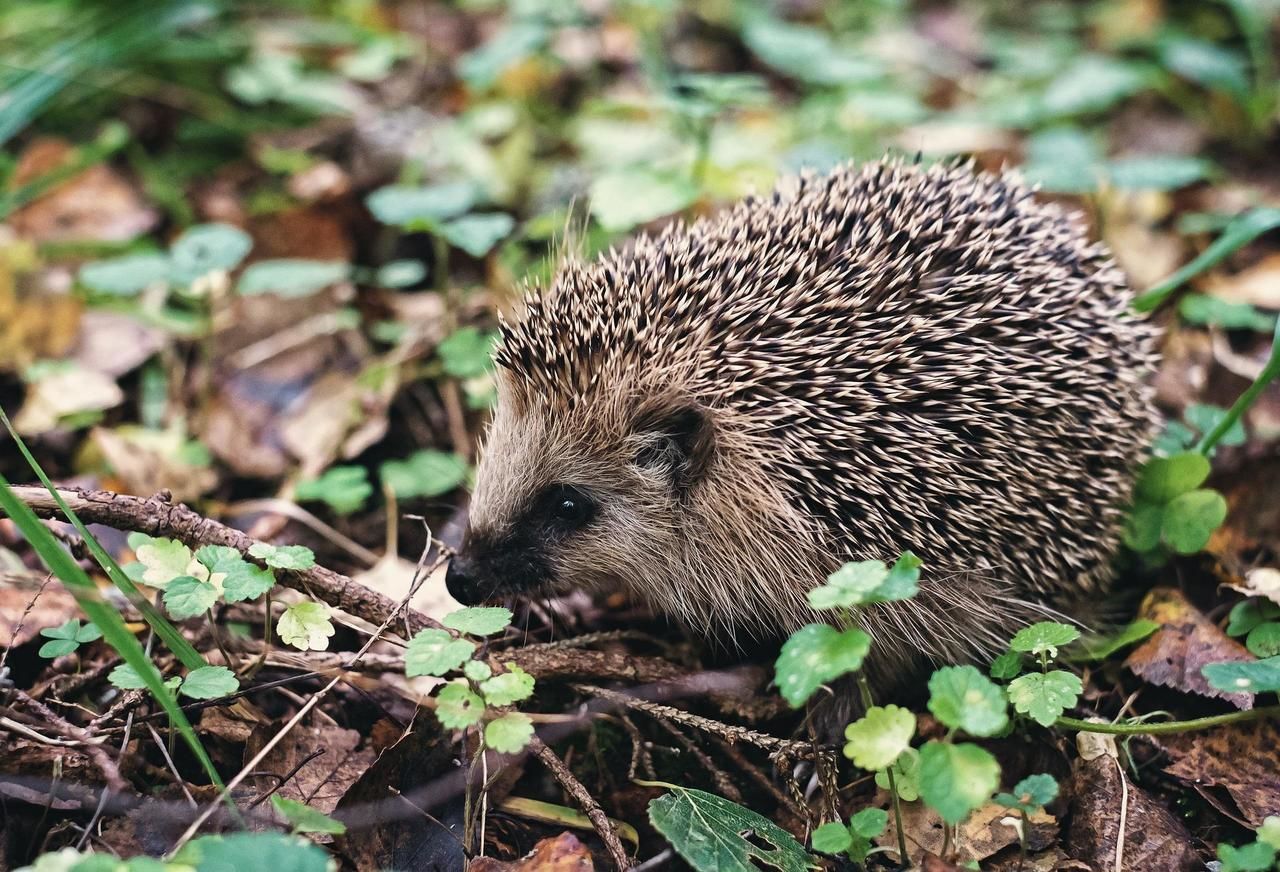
<point>875,360</point>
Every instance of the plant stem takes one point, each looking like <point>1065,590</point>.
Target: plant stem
<point>1168,727</point>
<point>1242,404</point>
<point>903,860</point>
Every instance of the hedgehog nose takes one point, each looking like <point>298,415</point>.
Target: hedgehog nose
<point>461,580</point>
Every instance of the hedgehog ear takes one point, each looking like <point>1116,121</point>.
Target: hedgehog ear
<point>677,436</point>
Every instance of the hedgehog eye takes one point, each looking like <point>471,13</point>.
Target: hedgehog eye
<point>568,507</point>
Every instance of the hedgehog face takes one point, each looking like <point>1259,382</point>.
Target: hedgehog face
<point>562,502</point>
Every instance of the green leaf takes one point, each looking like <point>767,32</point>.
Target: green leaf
<point>243,581</point>
<point>1031,794</point>
<point>1216,312</point>
<point>509,733</point>
<point>906,776</point>
<point>479,620</point>
<point>869,823</point>
<point>186,597</point>
<point>510,687</point>
<point>711,833</point>
<point>956,779</point>
<point>425,473</point>
<point>1190,519</point>
<point>1045,696</point>
<point>1164,478</point>
<point>1247,614</point>
<point>1253,857</point>
<point>875,740</point>
<point>1064,160</point>
<point>816,654</point>
<point>476,670</point>
<point>291,277</point>
<point>305,819</point>
<point>1094,648</point>
<point>1142,527</point>
<point>1157,172</point>
<point>1205,417</point>
<point>903,581</point>
<point>1208,64</point>
<point>1258,676</point>
<point>435,652</point>
<point>478,234</point>
<point>457,707</point>
<point>306,626</point>
<point>206,248</point>
<point>1090,84</point>
<point>345,489</point>
<point>66,638</point>
<point>467,352</point>
<point>622,199</point>
<point>1264,640</point>
<point>291,557</point>
<point>274,851</point>
<point>1006,666</point>
<point>405,205</point>
<point>806,53</point>
<point>400,274</point>
<point>831,838</point>
<point>125,276</point>
<point>1044,637</point>
<point>1239,233</point>
<point>963,698</point>
<point>482,66</point>
<point>126,677</point>
<point>1269,832</point>
<point>210,682</point>
<point>165,560</point>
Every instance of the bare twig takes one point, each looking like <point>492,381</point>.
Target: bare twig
<point>574,787</point>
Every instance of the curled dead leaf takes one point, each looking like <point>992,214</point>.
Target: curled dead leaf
<point>1241,758</point>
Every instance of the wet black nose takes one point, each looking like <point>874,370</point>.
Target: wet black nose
<point>462,582</point>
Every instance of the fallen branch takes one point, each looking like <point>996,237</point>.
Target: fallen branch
<point>160,516</point>
<point>575,788</point>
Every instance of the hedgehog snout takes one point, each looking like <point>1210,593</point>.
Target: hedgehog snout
<point>484,571</point>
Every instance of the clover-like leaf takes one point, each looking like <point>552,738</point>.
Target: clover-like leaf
<point>1264,640</point>
<point>1189,520</point>
<point>876,739</point>
<point>509,733</point>
<point>1258,676</point>
<point>479,620</point>
<point>302,818</point>
<point>906,776</point>
<point>965,699</point>
<point>1045,696</point>
<point>1164,478</point>
<point>67,637</point>
<point>511,686</point>
<point>306,626</point>
<point>956,779</point>
<point>477,234</point>
<point>290,557</point>
<point>816,654</point>
<point>1030,794</point>
<point>165,560</point>
<point>1045,637</point>
<point>434,652</point>
<point>209,682</point>
<point>458,707</point>
<point>186,597</point>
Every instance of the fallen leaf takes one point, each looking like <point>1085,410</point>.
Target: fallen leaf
<point>322,780</point>
<point>986,832</point>
<point>1240,758</point>
<point>1259,285</point>
<point>34,325</point>
<point>148,461</point>
<point>50,607</point>
<point>392,576</point>
<point>114,344</point>
<point>63,392</point>
<point>563,853</point>
<point>1186,641</point>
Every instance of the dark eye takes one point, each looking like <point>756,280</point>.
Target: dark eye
<point>568,507</point>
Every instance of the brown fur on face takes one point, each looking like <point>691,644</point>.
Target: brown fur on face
<point>872,361</point>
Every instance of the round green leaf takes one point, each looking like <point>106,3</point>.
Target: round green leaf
<point>457,707</point>
<point>1006,666</point>
<point>407,205</point>
<point>832,838</point>
<point>426,473</point>
<point>435,652</point>
<point>467,352</point>
<point>209,682</point>
<point>479,620</point>
<point>816,654</point>
<point>306,626</point>
<point>274,851</point>
<point>1258,676</point>
<point>965,699</point>
<point>1163,478</point>
<point>1190,519</point>
<point>509,733</point>
<point>510,687</point>
<point>1045,696</point>
<point>906,775</point>
<point>208,247</point>
<point>401,273</point>
<point>876,739</point>
<point>126,677</point>
<point>869,823</point>
<point>125,276</point>
<point>478,234</point>
<point>186,597</point>
<point>291,277</point>
<point>1045,637</point>
<point>956,779</point>
<point>1264,640</point>
<point>290,557</point>
<point>476,670</point>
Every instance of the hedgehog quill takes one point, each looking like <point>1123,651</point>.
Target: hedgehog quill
<point>884,358</point>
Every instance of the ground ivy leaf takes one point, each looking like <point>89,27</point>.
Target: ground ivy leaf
<point>869,823</point>
<point>816,654</point>
<point>832,838</point>
<point>509,733</point>
<point>275,851</point>
<point>1253,857</point>
<point>1190,519</point>
<point>458,707</point>
<point>709,832</point>
<point>245,581</point>
<point>1258,676</point>
<point>956,779</point>
<point>344,489</point>
<point>1044,637</point>
<point>205,248</point>
<point>209,682</point>
<point>290,557</point>
<point>425,473</point>
<point>1045,696</point>
<point>165,560</point>
<point>1006,666</point>
<point>67,637</point>
<point>434,652</point>
<point>186,597</point>
<point>126,677</point>
<point>877,738</point>
<point>903,580</point>
<point>479,620</point>
<point>1030,794</point>
<point>476,670</point>
<point>507,688</point>
<point>306,626</point>
<point>965,699</point>
<point>305,819</point>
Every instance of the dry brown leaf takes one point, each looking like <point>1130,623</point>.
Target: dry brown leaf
<point>1101,798</point>
<point>986,832</point>
<point>32,325</point>
<point>67,391</point>
<point>96,205</point>
<point>392,575</point>
<point>322,780</point>
<point>114,344</point>
<point>1259,285</point>
<point>148,461</point>
<point>52,607</point>
<point>564,853</point>
<point>1240,758</point>
<point>1186,641</point>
